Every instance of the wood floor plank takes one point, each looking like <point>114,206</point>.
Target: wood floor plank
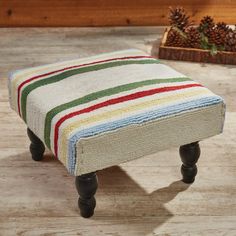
<point>133,226</point>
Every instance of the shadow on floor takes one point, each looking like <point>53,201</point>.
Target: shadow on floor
<point>120,196</point>
<point>120,199</point>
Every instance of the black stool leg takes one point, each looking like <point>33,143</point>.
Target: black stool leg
<point>37,147</point>
<point>86,186</point>
<point>189,154</point>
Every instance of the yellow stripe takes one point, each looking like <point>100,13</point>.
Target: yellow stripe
<point>63,146</point>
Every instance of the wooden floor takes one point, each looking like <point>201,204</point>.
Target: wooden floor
<point>143,197</point>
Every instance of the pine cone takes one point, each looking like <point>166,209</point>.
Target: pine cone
<point>207,22</point>
<point>230,42</point>
<point>224,27</point>
<point>178,18</point>
<point>193,38</point>
<point>206,25</point>
<point>175,39</point>
<point>217,36</point>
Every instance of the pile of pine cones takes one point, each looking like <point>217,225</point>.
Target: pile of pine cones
<point>208,35</point>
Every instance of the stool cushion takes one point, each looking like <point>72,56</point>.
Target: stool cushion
<point>103,110</point>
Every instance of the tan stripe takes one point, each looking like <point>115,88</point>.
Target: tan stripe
<point>63,145</point>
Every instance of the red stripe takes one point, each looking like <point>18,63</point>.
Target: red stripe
<point>115,101</point>
<point>67,68</point>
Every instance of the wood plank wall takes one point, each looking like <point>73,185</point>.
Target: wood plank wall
<point>14,13</point>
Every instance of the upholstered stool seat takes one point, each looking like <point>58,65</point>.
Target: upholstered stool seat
<point>104,110</point>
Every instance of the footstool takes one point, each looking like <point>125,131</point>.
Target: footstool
<point>104,110</point>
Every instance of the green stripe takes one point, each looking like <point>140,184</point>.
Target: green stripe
<point>66,74</point>
<point>97,95</point>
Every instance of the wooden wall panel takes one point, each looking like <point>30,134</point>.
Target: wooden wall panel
<point>107,12</point>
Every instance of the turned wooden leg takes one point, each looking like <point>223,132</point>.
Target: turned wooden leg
<point>86,186</point>
<point>189,155</point>
<point>37,147</point>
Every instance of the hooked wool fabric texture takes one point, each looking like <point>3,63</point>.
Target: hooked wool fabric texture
<point>101,101</point>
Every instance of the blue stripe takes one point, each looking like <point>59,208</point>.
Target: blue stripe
<point>135,119</point>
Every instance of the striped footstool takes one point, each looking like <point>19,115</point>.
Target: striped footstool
<point>104,110</point>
